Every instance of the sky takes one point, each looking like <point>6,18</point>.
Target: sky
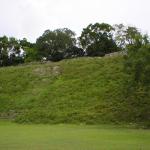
<point>30,18</point>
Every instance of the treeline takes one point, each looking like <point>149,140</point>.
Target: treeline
<point>95,40</point>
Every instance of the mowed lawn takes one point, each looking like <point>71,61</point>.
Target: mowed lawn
<point>71,137</point>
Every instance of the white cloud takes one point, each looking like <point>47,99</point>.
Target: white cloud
<point>29,18</point>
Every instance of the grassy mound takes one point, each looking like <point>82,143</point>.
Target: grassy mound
<point>83,90</point>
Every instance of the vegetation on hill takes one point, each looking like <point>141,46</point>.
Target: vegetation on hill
<point>137,86</point>
<point>83,90</point>
<point>80,90</point>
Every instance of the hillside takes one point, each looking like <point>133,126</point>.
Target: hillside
<point>83,90</point>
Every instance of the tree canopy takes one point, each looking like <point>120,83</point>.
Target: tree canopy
<point>98,40</point>
<point>95,40</point>
<point>52,44</point>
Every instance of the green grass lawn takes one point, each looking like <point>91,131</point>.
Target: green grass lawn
<point>71,137</point>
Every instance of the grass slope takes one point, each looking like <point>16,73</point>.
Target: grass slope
<point>71,137</point>
<point>83,90</point>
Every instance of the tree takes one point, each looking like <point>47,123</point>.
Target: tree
<point>126,36</point>
<point>98,40</point>
<point>30,51</point>
<point>137,85</point>
<point>25,43</point>
<point>120,35</point>
<point>14,49</point>
<point>31,54</point>
<point>10,51</point>
<point>131,35</point>
<point>3,51</point>
<point>52,44</point>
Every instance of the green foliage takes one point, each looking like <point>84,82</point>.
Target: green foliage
<point>52,44</point>
<point>10,51</point>
<point>24,43</point>
<point>31,54</point>
<point>3,51</point>
<point>126,36</point>
<point>137,87</point>
<point>98,40</point>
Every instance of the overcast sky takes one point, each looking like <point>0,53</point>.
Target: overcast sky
<point>30,18</point>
